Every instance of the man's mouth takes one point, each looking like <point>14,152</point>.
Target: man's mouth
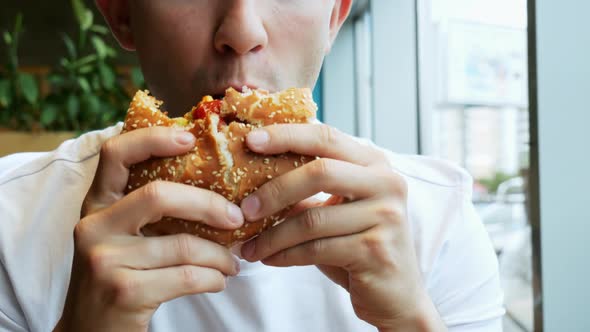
<point>219,93</point>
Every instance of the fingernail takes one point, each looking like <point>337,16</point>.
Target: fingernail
<point>250,206</point>
<point>234,213</point>
<point>248,249</point>
<point>185,138</point>
<point>258,139</point>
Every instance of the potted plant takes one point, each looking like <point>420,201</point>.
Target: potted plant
<point>84,91</point>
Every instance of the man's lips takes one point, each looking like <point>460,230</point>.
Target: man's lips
<point>219,92</point>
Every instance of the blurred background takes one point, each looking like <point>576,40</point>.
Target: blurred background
<point>446,78</point>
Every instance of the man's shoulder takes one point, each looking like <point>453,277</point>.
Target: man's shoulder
<point>430,171</point>
<point>72,153</point>
<point>426,170</point>
<point>40,199</point>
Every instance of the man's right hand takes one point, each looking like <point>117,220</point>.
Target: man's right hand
<point>119,278</point>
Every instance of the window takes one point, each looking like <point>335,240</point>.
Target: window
<point>473,100</point>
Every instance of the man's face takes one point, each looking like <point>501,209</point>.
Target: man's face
<point>189,48</point>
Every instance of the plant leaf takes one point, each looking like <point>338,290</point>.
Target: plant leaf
<point>111,52</point>
<point>88,20</point>
<point>7,38</point>
<point>85,69</point>
<point>83,15</point>
<point>84,85</point>
<point>100,29</point>
<point>91,104</point>
<point>73,108</point>
<point>55,79</point>
<point>86,60</point>
<point>70,46</point>
<point>5,95</point>
<point>99,46</point>
<point>65,63</point>
<point>107,75</point>
<point>48,114</point>
<point>28,87</point>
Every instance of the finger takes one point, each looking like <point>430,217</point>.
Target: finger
<point>120,152</point>
<point>304,205</point>
<point>313,202</point>
<point>160,198</point>
<point>328,175</point>
<point>311,224</point>
<point>182,249</point>
<point>153,287</point>
<point>313,140</point>
<point>337,251</point>
<point>371,250</point>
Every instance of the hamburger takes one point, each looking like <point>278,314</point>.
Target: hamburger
<point>220,160</point>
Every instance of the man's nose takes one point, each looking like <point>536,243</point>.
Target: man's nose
<point>241,30</point>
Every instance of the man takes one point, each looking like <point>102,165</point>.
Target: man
<point>406,251</point>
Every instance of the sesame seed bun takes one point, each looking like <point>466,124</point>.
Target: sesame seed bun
<point>220,160</point>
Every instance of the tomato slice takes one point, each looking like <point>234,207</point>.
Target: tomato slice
<point>206,107</point>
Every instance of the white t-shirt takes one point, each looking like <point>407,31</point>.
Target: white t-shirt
<point>40,199</point>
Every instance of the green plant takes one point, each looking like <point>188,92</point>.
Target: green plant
<point>85,91</point>
<point>19,91</point>
<point>494,181</point>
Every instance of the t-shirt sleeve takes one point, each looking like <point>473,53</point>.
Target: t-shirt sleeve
<point>465,283</point>
<point>11,317</point>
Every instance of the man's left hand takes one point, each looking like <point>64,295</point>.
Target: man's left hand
<point>359,238</point>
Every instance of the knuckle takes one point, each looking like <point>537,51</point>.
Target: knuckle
<point>182,247</point>
<point>268,245</point>
<point>151,192</point>
<point>377,245</point>
<point>287,131</point>
<point>273,188</point>
<point>398,185</point>
<point>328,135</point>
<point>109,148</point>
<point>319,168</point>
<point>82,231</point>
<point>381,158</point>
<point>312,220</point>
<point>393,184</point>
<point>100,261</point>
<point>216,205</point>
<point>123,289</point>
<point>373,242</point>
<point>316,248</point>
<point>390,213</point>
<point>189,278</point>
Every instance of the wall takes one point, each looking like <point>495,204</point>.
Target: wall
<point>561,119</point>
